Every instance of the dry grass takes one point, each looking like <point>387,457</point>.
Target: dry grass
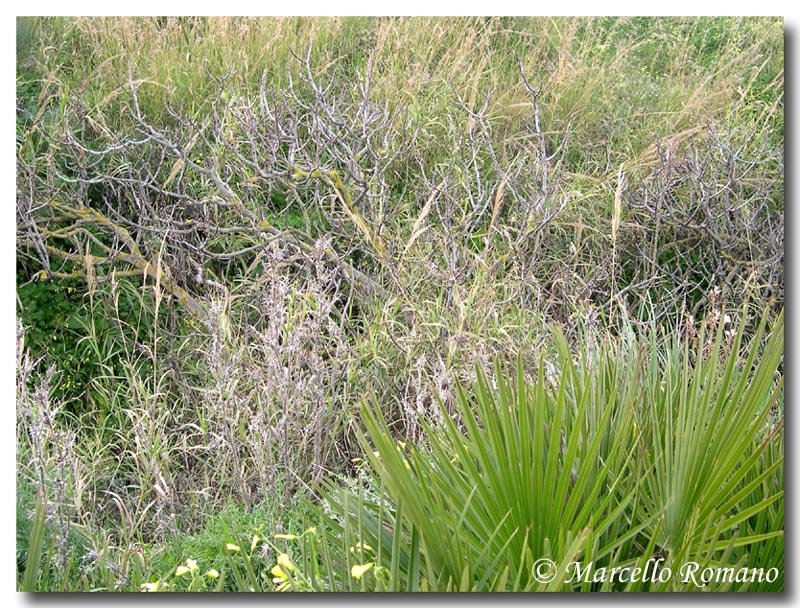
<point>314,211</point>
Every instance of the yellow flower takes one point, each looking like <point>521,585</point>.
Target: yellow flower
<point>254,542</point>
<point>312,530</point>
<point>191,564</point>
<point>151,587</point>
<point>286,536</point>
<point>181,570</point>
<point>360,545</point>
<point>358,571</point>
<point>285,562</point>
<point>232,547</point>
<point>212,573</point>
<point>278,571</point>
<point>280,578</point>
<point>279,574</point>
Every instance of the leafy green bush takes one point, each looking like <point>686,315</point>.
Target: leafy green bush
<point>88,337</point>
<point>625,454</point>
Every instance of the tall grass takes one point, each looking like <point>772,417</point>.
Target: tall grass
<point>254,251</point>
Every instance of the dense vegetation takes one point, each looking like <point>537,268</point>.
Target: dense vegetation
<point>398,303</point>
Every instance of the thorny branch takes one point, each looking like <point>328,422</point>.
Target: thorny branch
<point>298,165</point>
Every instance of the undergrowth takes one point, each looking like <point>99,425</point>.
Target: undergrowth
<point>252,252</point>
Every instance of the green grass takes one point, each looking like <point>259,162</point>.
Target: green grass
<point>627,453</point>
